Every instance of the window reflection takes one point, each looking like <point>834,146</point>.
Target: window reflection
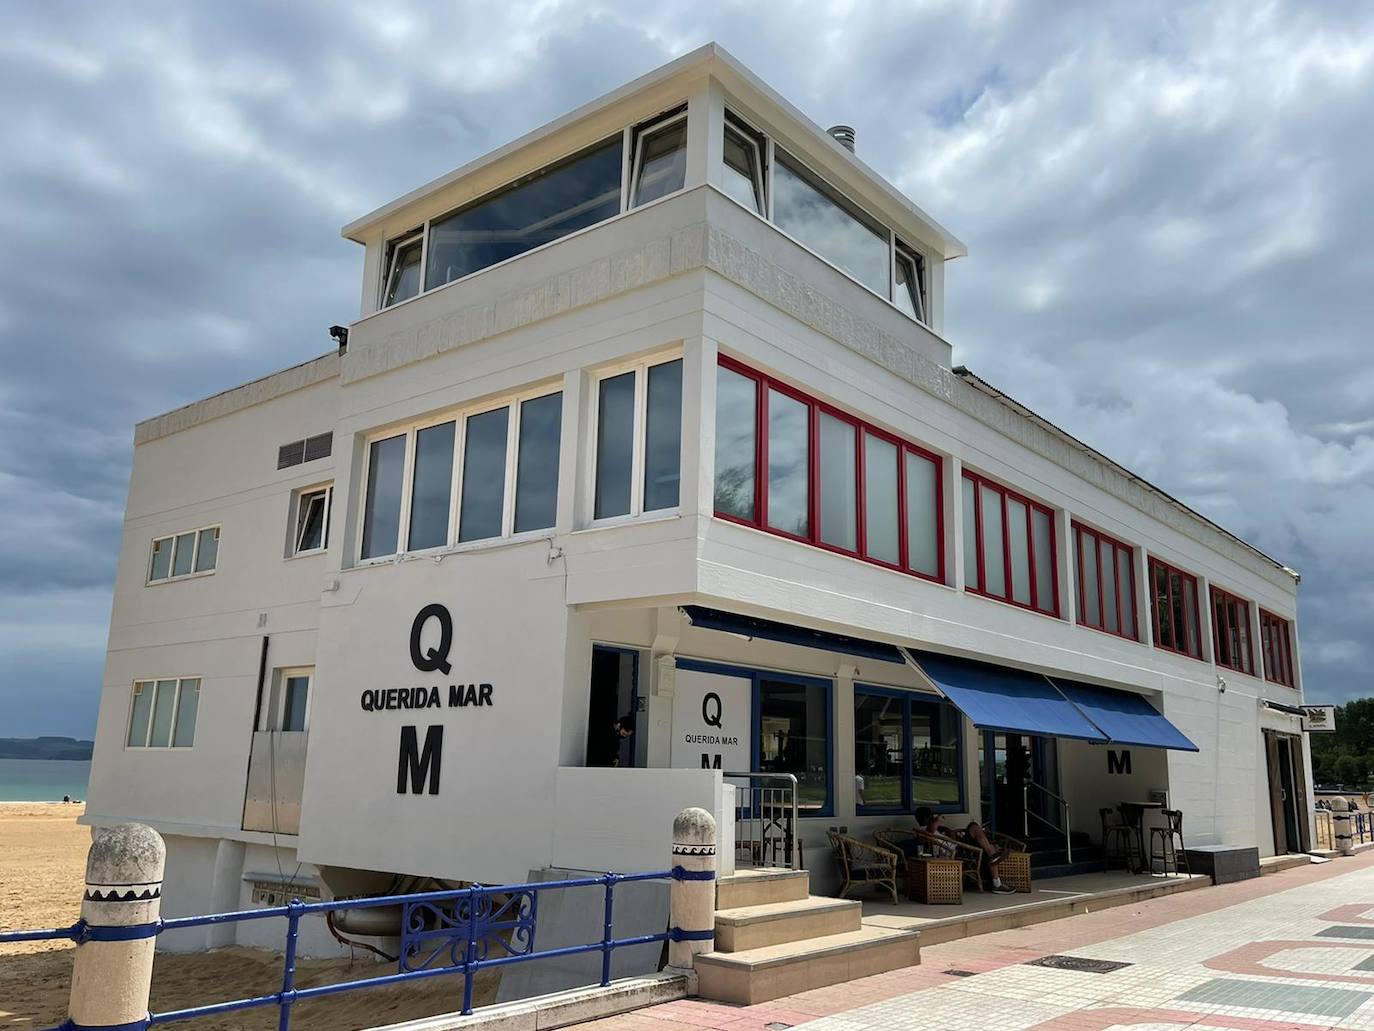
<point>794,737</point>
<point>660,162</point>
<point>809,211</point>
<point>789,463</point>
<point>736,405</point>
<point>484,475</point>
<point>743,178</point>
<point>536,477</point>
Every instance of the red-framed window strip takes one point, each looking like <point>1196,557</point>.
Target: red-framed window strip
<point>1004,493</point>
<point>1231,622</point>
<point>763,383</point>
<point>1168,573</point>
<point>1276,638</point>
<point>1117,547</point>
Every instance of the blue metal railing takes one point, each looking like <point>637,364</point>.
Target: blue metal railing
<point>442,933</point>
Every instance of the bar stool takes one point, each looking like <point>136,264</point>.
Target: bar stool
<point>1162,846</point>
<point>1133,818</point>
<point>1117,834</point>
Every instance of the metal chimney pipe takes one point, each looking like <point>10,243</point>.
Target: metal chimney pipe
<point>844,136</point>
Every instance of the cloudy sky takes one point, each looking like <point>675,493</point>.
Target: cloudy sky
<point>1169,220</point>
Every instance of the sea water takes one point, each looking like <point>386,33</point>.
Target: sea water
<point>43,780</point>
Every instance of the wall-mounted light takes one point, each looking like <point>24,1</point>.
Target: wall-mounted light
<point>1221,684</point>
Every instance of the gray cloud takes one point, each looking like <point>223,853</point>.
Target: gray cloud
<point>1168,218</point>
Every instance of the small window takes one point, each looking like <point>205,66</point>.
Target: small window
<point>403,270</point>
<point>287,707</point>
<point>1009,546</point>
<point>484,475</point>
<point>312,520</point>
<point>660,160</point>
<point>736,444</point>
<point>536,477</point>
<point>839,471</point>
<point>1174,609</point>
<point>638,440</point>
<point>1105,575</point>
<point>182,555</point>
<point>910,292</point>
<point>296,696</point>
<point>382,501</point>
<point>1276,640</point>
<point>743,178</point>
<point>431,486</point>
<point>1231,631</point>
<point>162,713</point>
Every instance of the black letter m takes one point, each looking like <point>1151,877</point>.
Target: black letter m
<point>1119,762</point>
<point>417,764</point>
<point>706,761</point>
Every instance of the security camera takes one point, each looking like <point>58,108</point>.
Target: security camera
<point>340,334</point>
<point>1221,685</point>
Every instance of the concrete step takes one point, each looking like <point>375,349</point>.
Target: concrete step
<point>760,887</point>
<point>753,927</point>
<point>759,975</point>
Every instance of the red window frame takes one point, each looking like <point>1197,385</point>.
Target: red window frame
<point>1276,642</point>
<point>1118,547</point>
<point>763,383</point>
<point>1227,599</point>
<point>1160,566</point>
<point>1032,507</point>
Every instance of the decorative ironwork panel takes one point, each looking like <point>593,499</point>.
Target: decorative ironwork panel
<point>495,923</point>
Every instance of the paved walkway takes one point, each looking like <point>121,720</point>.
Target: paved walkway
<point>1294,951</point>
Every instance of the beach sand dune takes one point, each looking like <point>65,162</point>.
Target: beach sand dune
<point>42,869</point>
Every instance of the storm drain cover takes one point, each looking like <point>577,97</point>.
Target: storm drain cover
<point>1091,966</point>
<point>776,1025</point>
<point>960,973</point>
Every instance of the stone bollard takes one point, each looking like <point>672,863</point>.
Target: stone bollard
<point>1340,826</point>
<point>692,898</point>
<point>113,969</point>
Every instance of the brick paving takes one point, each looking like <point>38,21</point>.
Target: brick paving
<point>1287,952</point>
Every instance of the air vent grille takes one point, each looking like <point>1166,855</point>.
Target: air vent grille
<point>308,450</point>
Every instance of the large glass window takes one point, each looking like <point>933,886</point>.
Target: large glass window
<point>815,479</point>
<point>1277,642</point>
<point>536,478</point>
<point>1009,549</point>
<point>1231,631</point>
<point>743,178</point>
<point>663,436</point>
<point>736,443</point>
<point>789,464</point>
<point>906,751</point>
<point>484,475</point>
<point>660,160</point>
<point>1174,608</point>
<point>505,480</point>
<point>431,487</point>
<point>814,214</point>
<point>794,737</point>
<point>639,427</point>
<point>382,500</point>
<point>542,207</point>
<point>1105,575</point>
<point>162,713</point>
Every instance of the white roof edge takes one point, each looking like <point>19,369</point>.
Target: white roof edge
<point>699,59</point>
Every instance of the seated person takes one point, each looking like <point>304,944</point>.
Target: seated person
<point>973,834</point>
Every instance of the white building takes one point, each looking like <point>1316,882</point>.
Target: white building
<point>649,405</point>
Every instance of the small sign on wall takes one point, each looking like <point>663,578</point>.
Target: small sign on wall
<point>1119,761</point>
<point>1319,719</point>
<point>711,716</point>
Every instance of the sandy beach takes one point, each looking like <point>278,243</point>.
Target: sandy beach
<point>42,866</point>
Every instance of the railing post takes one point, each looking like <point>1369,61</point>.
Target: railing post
<point>1340,825</point>
<point>692,897</point>
<point>608,929</point>
<point>112,973</point>
<point>470,954</point>
<point>288,977</point>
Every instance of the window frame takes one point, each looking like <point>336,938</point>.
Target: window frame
<point>900,250</point>
<point>171,577</point>
<point>758,142</point>
<point>908,695</point>
<point>394,247</point>
<point>298,496</point>
<point>180,682</point>
<point>763,383</point>
<point>1220,594</point>
<point>638,134</point>
<point>1151,563</point>
<point>1281,669</point>
<point>459,417</point>
<point>639,445</point>
<point>275,712</point>
<point>1080,530</point>
<point>978,482</point>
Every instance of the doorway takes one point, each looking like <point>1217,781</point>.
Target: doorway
<point>1007,763</point>
<point>1287,791</point>
<point>613,694</point>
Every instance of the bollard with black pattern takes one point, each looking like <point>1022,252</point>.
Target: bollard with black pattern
<point>692,897</point>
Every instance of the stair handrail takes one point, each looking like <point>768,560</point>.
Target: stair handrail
<point>1026,814</point>
<point>792,841</point>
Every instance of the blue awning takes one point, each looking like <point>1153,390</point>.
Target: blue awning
<point>770,630</point>
<point>1009,700</point>
<point>1126,718</point>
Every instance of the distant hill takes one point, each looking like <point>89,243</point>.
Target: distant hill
<point>44,748</point>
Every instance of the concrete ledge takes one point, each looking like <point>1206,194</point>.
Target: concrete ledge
<point>561,1008</point>
<point>1274,864</point>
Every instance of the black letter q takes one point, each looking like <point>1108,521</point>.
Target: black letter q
<point>434,658</point>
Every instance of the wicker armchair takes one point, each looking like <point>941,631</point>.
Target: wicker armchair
<point>862,864</point>
<point>939,845</point>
